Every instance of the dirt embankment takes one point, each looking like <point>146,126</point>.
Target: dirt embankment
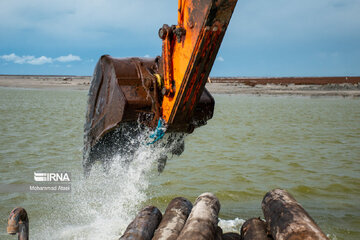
<point>341,90</point>
<point>287,80</point>
<point>305,86</point>
<point>43,81</point>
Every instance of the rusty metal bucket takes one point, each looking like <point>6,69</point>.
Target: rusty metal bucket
<point>125,98</point>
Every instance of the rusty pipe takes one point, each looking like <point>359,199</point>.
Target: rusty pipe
<point>144,225</point>
<point>173,219</point>
<point>287,219</point>
<point>18,222</point>
<point>255,228</point>
<point>203,219</point>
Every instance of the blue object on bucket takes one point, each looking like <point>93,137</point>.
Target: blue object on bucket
<point>158,133</point>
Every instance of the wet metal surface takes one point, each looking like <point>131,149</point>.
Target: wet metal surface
<point>18,222</point>
<point>144,225</point>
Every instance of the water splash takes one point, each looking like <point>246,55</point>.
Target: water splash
<point>232,225</point>
<point>103,204</point>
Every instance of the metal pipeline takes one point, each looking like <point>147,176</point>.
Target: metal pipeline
<point>144,225</point>
<point>173,219</point>
<point>287,219</point>
<point>18,222</point>
<point>255,228</point>
<point>203,219</point>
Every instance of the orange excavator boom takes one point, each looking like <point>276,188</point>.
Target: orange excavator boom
<point>188,53</point>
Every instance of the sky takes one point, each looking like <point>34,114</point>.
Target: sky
<point>265,38</point>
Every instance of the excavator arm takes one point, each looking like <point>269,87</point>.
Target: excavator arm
<point>188,53</point>
<point>166,92</point>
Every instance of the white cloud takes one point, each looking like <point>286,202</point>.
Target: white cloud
<point>220,59</point>
<point>16,59</point>
<point>68,58</point>
<point>38,60</point>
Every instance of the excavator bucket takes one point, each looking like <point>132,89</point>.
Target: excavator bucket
<point>164,94</point>
<point>122,102</point>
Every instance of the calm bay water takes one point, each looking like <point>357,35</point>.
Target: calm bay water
<point>309,146</point>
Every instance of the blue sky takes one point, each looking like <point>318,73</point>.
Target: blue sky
<point>265,37</point>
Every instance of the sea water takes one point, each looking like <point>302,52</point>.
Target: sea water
<point>309,146</point>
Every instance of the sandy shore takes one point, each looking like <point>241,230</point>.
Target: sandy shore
<point>49,82</point>
<point>83,83</point>
<point>341,90</point>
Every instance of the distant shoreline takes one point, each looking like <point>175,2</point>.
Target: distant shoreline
<point>46,81</point>
<point>304,86</point>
